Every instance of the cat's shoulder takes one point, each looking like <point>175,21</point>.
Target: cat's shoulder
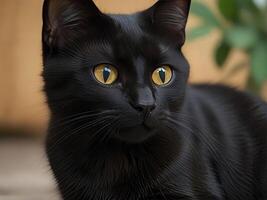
<point>218,89</point>
<point>213,90</point>
<point>221,94</point>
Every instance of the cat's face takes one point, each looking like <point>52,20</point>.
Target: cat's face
<point>127,69</point>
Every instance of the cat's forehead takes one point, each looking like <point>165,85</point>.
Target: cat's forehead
<point>127,40</point>
<point>128,25</point>
<point>131,33</point>
<point>131,36</point>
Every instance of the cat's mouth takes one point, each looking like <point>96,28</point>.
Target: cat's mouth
<point>138,133</point>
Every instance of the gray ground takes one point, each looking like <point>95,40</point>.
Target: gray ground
<point>24,172</point>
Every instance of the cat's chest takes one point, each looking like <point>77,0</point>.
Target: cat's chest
<point>159,193</point>
<point>168,188</point>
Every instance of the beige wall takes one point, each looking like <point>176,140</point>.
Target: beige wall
<point>21,100</point>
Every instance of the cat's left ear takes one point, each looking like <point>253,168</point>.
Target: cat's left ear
<point>169,18</point>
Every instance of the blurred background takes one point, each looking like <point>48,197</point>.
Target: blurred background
<point>227,43</point>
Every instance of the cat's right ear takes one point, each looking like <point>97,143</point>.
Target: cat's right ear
<point>64,20</point>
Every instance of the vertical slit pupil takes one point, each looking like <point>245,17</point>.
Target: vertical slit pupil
<point>106,73</point>
<point>162,75</point>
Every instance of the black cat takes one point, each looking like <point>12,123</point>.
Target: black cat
<point>124,123</point>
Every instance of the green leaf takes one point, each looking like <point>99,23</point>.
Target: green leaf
<point>228,9</point>
<point>241,37</point>
<point>202,11</point>
<point>199,31</point>
<point>259,63</point>
<point>248,5</point>
<point>222,52</point>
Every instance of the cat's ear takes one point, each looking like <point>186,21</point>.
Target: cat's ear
<point>63,20</point>
<point>169,18</point>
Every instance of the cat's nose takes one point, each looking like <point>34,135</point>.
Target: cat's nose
<point>143,100</point>
<point>144,107</point>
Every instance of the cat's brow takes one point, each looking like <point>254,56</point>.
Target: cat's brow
<point>164,48</point>
<point>98,49</point>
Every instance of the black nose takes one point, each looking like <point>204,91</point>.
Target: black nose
<point>142,99</point>
<point>144,107</point>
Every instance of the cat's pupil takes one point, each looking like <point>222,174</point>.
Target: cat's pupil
<point>106,73</point>
<point>162,74</point>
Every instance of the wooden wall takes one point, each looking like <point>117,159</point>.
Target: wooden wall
<point>21,99</point>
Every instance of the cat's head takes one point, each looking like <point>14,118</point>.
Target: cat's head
<point>122,72</point>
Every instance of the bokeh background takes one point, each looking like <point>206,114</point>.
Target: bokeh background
<point>226,44</point>
<point>22,104</point>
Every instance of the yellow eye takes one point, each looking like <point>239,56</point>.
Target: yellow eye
<point>162,75</point>
<point>106,74</point>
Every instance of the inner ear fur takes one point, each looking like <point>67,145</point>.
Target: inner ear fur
<point>64,20</point>
<point>169,18</point>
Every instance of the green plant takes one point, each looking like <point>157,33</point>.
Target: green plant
<point>243,25</point>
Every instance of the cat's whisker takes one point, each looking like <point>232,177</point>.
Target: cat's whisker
<point>78,116</point>
<point>112,129</point>
<point>79,129</point>
<point>69,122</point>
<point>101,138</point>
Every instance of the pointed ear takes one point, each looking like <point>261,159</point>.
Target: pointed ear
<point>63,20</point>
<point>169,18</point>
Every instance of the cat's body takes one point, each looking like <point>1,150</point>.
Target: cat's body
<point>225,160</point>
<point>138,139</point>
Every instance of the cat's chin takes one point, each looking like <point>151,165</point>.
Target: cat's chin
<point>136,134</point>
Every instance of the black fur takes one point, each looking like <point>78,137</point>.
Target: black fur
<point>134,140</point>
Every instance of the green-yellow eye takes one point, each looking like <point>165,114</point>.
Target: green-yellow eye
<point>106,74</point>
<point>162,75</point>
